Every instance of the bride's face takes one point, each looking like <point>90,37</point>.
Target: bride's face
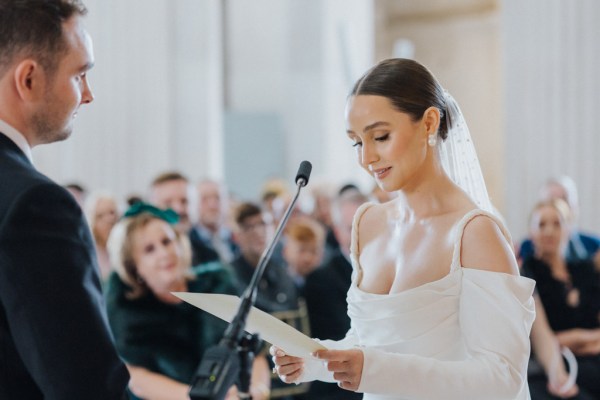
<point>390,146</point>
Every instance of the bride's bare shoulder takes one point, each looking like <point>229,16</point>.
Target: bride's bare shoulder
<point>371,220</point>
<point>371,214</point>
<point>484,246</point>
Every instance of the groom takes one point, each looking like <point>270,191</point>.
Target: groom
<point>54,340</point>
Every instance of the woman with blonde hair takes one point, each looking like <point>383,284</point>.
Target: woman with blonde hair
<point>568,289</point>
<point>161,338</point>
<point>102,212</point>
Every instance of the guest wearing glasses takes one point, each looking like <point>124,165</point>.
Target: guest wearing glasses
<point>277,293</point>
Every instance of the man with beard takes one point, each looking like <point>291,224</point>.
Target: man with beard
<point>54,337</point>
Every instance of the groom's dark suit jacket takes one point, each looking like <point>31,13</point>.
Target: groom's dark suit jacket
<point>54,337</point>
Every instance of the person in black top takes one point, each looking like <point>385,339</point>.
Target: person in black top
<point>568,289</point>
<point>581,245</point>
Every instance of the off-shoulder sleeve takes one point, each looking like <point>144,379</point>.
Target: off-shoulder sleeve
<point>495,316</point>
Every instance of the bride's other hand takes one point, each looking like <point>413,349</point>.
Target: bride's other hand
<point>289,368</point>
<point>346,365</point>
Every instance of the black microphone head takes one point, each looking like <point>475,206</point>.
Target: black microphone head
<point>303,173</point>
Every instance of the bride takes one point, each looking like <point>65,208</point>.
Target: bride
<point>438,308</point>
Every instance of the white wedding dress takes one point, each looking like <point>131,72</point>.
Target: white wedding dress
<point>465,336</point>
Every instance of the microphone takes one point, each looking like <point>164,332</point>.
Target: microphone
<point>303,173</point>
<point>233,356</point>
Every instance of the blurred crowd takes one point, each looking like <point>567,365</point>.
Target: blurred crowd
<point>201,237</point>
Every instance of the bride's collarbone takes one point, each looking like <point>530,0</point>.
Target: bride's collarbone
<point>415,239</point>
<point>387,279</point>
<point>398,255</point>
<point>407,264</point>
<point>394,262</point>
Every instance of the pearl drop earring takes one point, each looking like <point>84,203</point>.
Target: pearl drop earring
<point>432,139</point>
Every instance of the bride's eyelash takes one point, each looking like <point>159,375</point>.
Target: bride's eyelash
<point>383,138</point>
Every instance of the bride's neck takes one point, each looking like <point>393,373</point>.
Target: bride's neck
<point>431,196</point>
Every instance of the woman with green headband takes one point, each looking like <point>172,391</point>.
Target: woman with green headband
<point>161,338</point>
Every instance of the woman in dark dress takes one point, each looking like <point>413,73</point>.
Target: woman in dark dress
<point>161,338</point>
<point>569,291</point>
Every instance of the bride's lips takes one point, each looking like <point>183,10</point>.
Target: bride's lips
<point>382,172</point>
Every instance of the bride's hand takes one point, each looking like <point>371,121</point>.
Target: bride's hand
<point>346,365</point>
<point>288,368</point>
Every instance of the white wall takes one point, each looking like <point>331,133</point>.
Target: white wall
<point>169,72</point>
<point>463,50</point>
<point>161,75</point>
<point>296,63</point>
<point>157,87</point>
<point>552,100</point>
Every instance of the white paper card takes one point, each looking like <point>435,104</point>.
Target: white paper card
<point>271,329</point>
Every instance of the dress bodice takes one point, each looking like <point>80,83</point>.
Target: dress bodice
<point>465,335</point>
<point>424,319</point>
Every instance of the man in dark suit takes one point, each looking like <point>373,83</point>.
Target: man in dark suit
<point>54,337</point>
<point>276,292</point>
<point>211,229</point>
<point>326,288</point>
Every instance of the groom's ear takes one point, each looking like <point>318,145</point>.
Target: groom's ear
<point>30,80</point>
<point>431,119</point>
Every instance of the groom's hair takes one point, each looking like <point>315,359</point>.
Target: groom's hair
<point>33,29</point>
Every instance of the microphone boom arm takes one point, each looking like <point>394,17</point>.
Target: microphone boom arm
<point>221,363</point>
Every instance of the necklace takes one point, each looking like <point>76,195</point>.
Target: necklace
<point>562,275</point>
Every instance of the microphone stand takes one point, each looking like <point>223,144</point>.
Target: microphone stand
<point>233,357</point>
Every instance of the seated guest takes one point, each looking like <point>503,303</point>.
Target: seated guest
<point>326,289</point>
<point>552,380</point>
<point>161,338</point>
<point>211,228</point>
<point>173,190</point>
<point>276,290</point>
<point>581,246</point>
<point>277,293</point>
<point>274,194</point>
<point>569,290</point>
<point>102,213</point>
<point>77,191</point>
<point>304,242</point>
<point>133,198</point>
<point>322,196</point>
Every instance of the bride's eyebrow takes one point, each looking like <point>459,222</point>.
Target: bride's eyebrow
<point>375,125</point>
<point>370,127</point>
